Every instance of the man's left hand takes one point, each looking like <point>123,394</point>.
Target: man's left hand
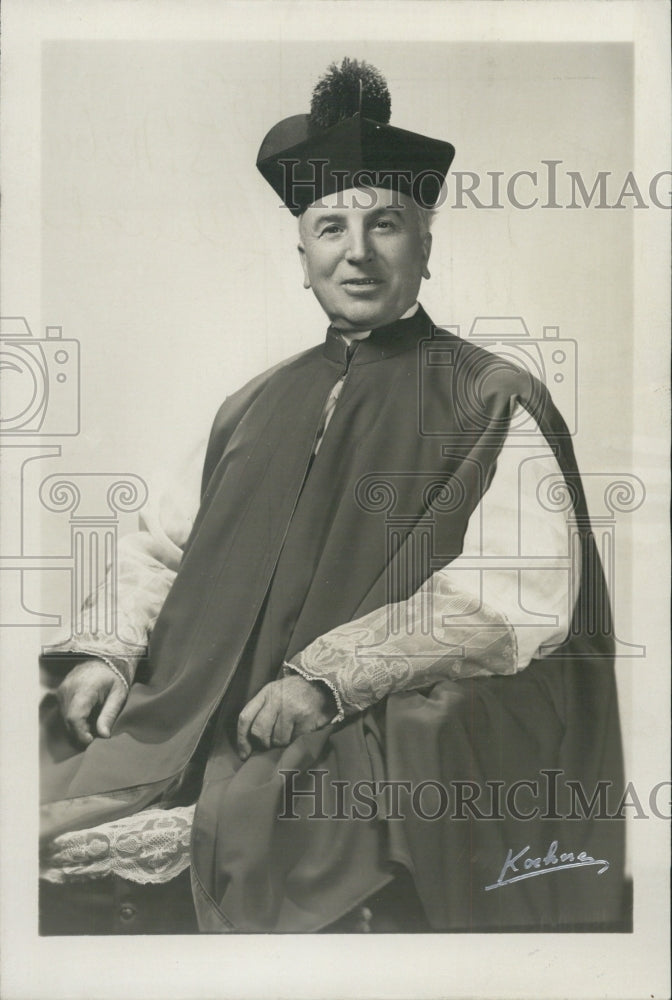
<point>283,710</point>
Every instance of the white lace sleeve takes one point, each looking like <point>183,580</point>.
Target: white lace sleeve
<point>147,563</point>
<point>505,600</point>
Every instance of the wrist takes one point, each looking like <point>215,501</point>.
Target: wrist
<point>116,667</point>
<point>324,695</point>
<point>333,707</point>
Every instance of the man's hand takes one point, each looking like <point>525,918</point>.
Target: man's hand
<point>88,687</point>
<point>283,710</point>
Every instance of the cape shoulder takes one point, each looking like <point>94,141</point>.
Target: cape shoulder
<point>484,384</point>
<point>235,406</point>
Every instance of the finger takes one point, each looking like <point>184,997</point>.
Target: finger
<point>262,727</point>
<point>303,726</point>
<point>77,718</point>
<point>110,710</point>
<point>245,720</point>
<point>282,730</point>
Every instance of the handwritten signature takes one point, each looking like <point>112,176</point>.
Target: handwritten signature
<point>550,862</point>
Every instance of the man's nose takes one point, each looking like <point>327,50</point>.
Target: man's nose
<point>359,248</point>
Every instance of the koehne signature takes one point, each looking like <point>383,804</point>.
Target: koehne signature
<point>550,862</point>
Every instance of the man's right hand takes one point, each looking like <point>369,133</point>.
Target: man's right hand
<point>91,691</point>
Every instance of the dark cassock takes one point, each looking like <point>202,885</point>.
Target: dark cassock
<point>392,521</point>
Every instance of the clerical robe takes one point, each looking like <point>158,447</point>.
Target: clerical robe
<point>291,545</point>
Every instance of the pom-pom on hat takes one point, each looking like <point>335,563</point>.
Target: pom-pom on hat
<point>346,142</point>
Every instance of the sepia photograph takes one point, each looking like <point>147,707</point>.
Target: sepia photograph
<point>335,460</point>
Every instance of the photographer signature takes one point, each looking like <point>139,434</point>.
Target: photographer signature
<point>550,862</point>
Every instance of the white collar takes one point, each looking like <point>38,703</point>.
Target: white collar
<point>349,337</point>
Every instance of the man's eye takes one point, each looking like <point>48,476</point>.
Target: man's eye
<point>384,224</point>
<point>330,230</point>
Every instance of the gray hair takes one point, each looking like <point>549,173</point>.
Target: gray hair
<point>426,218</point>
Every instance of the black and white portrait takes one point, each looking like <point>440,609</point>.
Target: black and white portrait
<point>334,448</point>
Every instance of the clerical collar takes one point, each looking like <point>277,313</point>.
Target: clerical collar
<point>383,342</point>
<point>349,337</point>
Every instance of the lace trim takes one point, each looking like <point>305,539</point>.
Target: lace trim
<point>340,715</point>
<point>108,663</point>
<point>452,635</point>
<point>121,662</point>
<point>151,846</point>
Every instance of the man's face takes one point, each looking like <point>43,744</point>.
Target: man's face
<point>364,255</point>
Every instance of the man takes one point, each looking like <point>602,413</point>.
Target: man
<point>323,636</point>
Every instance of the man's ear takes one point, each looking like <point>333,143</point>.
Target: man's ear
<point>426,251</point>
<point>304,265</point>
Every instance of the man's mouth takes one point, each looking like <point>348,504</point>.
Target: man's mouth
<point>362,281</point>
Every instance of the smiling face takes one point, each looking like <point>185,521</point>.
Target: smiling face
<point>364,253</point>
